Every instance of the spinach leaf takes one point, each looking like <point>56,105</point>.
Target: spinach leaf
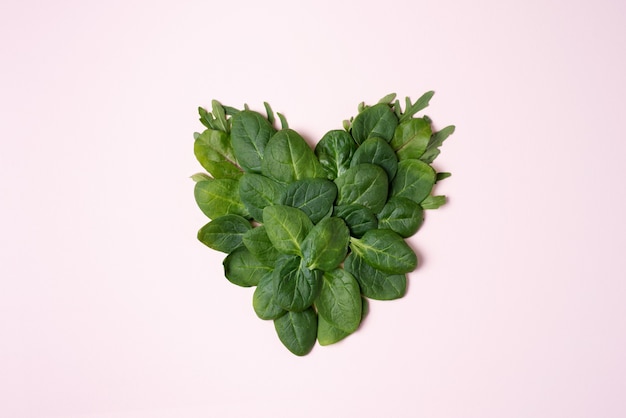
<point>401,215</point>
<point>297,331</point>
<point>215,153</point>
<point>249,135</point>
<point>363,184</point>
<point>328,334</point>
<point>296,285</point>
<point>414,180</point>
<point>263,299</point>
<point>219,197</point>
<point>377,151</point>
<point>433,202</point>
<point>375,121</point>
<point>411,138</point>
<point>358,218</point>
<point>257,192</point>
<point>325,247</point>
<point>259,244</point>
<point>339,301</point>
<point>314,197</point>
<point>335,151</point>
<point>385,250</point>
<point>286,227</point>
<point>288,158</point>
<point>374,283</point>
<point>225,233</point>
<point>243,269</point>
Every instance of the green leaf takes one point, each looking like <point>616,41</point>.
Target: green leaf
<point>411,138</point>
<point>257,192</point>
<point>374,283</point>
<point>325,247</point>
<point>263,299</point>
<point>315,197</point>
<point>442,175</point>
<point>335,151</point>
<point>283,121</point>
<point>219,197</point>
<point>214,152</point>
<point>412,109</point>
<point>288,158</point>
<point>259,244</point>
<point>414,180</point>
<point>296,285</point>
<point>376,151</point>
<point>388,98</point>
<point>363,184</point>
<point>436,140</point>
<point>401,215</point>
<point>286,227</point>
<point>339,301</point>
<point>225,233</point>
<point>270,113</point>
<point>249,135</point>
<point>358,218</point>
<point>376,121</point>
<point>328,334</point>
<point>385,250</point>
<point>220,116</point>
<point>433,202</point>
<point>297,331</point>
<point>243,269</point>
<point>198,177</point>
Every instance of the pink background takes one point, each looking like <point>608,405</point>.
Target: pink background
<point>110,308</point>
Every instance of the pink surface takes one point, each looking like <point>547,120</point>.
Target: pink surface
<point>109,307</point>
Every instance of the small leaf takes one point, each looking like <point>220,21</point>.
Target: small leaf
<point>243,269</point>
<point>220,116</point>
<point>270,112</point>
<point>225,233</point>
<point>436,140</point>
<point>296,285</point>
<point>414,180</point>
<point>200,177</point>
<point>249,135</point>
<point>259,244</point>
<point>335,151</point>
<point>213,150</point>
<point>385,250</point>
<point>376,151</point>
<point>420,104</point>
<point>388,99</point>
<point>263,299</point>
<point>283,121</point>
<point>257,192</point>
<point>339,302</point>
<point>441,176</point>
<point>374,283</point>
<point>376,121</point>
<point>326,245</point>
<point>411,138</point>
<point>219,197</point>
<point>363,184</point>
<point>297,331</point>
<point>402,216</point>
<point>314,197</point>
<point>358,218</point>
<point>433,202</point>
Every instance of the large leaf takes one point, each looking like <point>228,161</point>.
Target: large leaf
<point>286,227</point>
<point>250,133</point>
<point>297,331</point>
<point>385,250</point>
<point>297,286</point>
<point>363,184</point>
<point>326,245</point>
<point>219,197</point>
<point>335,151</point>
<point>414,180</point>
<point>224,233</point>
<point>314,197</point>
<point>375,121</point>
<point>288,158</point>
<point>374,283</point>
<point>339,302</point>
<point>257,192</point>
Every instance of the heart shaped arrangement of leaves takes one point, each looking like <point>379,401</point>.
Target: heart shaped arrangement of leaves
<point>318,232</point>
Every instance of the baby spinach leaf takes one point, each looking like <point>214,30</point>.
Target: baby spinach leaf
<point>374,283</point>
<point>314,197</point>
<point>219,197</point>
<point>375,121</point>
<point>339,301</point>
<point>259,244</point>
<point>296,285</point>
<point>411,138</point>
<point>436,140</point>
<point>335,151</point>
<point>225,233</point>
<point>328,334</point>
<point>297,331</point>
<point>363,184</point>
<point>286,227</point>
<point>385,250</point>
<point>401,215</point>
<point>376,151</point>
<point>263,299</point>
<point>288,158</point>
<point>325,247</point>
<point>215,153</point>
<point>358,218</point>
<point>257,192</point>
<point>433,202</point>
<point>249,135</point>
<point>243,269</point>
<point>414,180</point>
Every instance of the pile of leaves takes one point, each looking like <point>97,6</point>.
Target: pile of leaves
<point>318,232</point>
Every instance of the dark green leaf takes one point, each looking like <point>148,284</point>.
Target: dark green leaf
<point>249,135</point>
<point>411,138</point>
<point>325,247</point>
<point>412,109</point>
<point>297,331</point>
<point>401,215</point>
<point>288,158</point>
<point>377,151</point>
<point>385,250</point>
<point>257,192</point>
<point>263,300</point>
<point>374,283</point>
<point>436,140</point>
<point>219,197</point>
<point>296,285</point>
<point>358,218</point>
<point>225,233</point>
<point>335,151</point>
<point>441,176</point>
<point>259,244</point>
<point>286,227</point>
<point>315,197</point>
<point>414,180</point>
<point>270,112</point>
<point>376,121</point>
<point>364,184</point>
<point>243,269</point>
<point>283,121</point>
<point>339,302</point>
